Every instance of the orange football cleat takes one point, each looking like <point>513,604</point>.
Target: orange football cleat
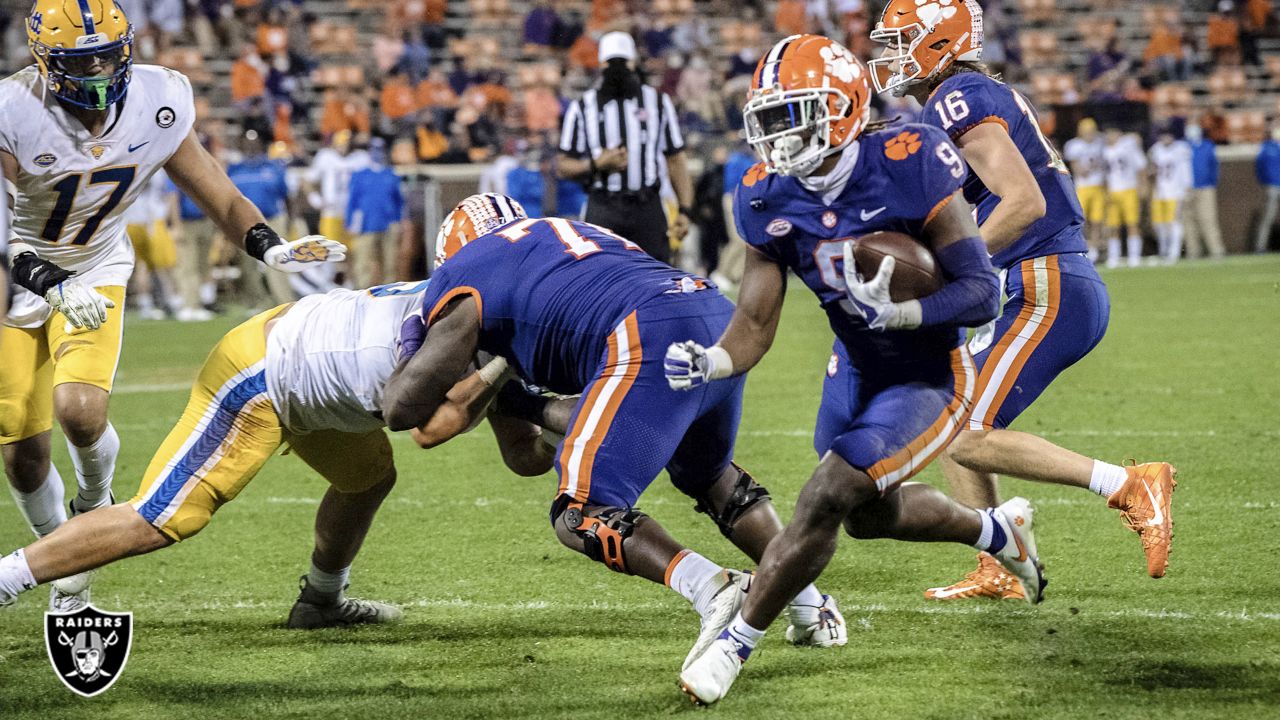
<point>989,580</point>
<point>1145,504</point>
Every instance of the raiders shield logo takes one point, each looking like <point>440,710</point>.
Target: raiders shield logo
<point>88,648</point>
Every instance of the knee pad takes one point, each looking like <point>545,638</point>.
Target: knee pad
<point>746,493</point>
<point>602,533</point>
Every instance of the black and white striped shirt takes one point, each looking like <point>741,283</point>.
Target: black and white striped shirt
<point>647,126</point>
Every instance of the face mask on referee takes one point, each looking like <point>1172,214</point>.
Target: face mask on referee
<point>618,80</point>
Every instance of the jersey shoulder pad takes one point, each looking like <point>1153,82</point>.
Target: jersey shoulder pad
<point>752,213</point>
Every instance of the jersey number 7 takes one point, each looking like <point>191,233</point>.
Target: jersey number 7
<point>69,186</point>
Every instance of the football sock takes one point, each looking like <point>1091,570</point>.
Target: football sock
<point>1135,249</point>
<point>804,610</point>
<point>43,506</point>
<point>94,467</point>
<point>992,538</point>
<point>1162,240</point>
<point>15,576</point>
<point>1176,232</point>
<point>696,578</point>
<point>742,633</point>
<point>1113,250</point>
<point>1107,478</point>
<point>327,583</point>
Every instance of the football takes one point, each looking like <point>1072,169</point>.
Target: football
<point>916,273</point>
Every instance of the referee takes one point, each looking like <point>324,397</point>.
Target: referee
<point>615,140</point>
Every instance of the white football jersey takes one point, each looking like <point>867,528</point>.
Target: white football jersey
<point>152,204</point>
<point>72,187</point>
<point>329,357</point>
<point>1086,161</point>
<point>331,171</point>
<point>1172,165</point>
<point>1125,163</point>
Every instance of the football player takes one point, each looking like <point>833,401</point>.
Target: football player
<point>309,375</point>
<point>1057,307</point>
<point>1089,170</point>
<point>900,380</point>
<point>1125,165</point>
<point>1171,183</point>
<point>577,309</point>
<point>81,133</point>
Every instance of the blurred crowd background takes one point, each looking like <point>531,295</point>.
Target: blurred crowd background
<point>362,119</point>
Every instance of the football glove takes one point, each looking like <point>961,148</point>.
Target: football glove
<point>84,307</point>
<point>870,298</point>
<point>295,256</point>
<point>689,365</point>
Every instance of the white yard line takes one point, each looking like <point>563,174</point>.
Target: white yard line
<point>144,388</point>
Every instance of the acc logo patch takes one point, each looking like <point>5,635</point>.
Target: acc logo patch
<point>754,174</point>
<point>45,159</point>
<point>829,219</point>
<point>97,151</point>
<point>778,227</point>
<point>88,648</point>
<point>165,117</point>
<point>903,146</point>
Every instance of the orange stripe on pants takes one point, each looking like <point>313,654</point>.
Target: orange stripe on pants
<point>949,421</point>
<point>1037,299</point>
<point>608,391</point>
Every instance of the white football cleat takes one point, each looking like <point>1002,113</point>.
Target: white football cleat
<point>1019,555</point>
<point>709,678</point>
<point>313,610</point>
<point>828,631</point>
<point>724,607</point>
<point>70,593</point>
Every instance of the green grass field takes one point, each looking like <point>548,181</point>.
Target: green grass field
<point>501,621</point>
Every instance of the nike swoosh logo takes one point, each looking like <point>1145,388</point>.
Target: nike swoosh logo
<point>1157,502</point>
<point>135,147</point>
<point>948,592</point>
<point>1022,551</point>
<point>868,215</point>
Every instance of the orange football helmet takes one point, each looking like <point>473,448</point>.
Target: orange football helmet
<point>809,97</point>
<point>922,38</point>
<point>475,217</point>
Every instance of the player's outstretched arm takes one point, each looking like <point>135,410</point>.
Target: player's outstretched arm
<point>748,337</point>
<point>464,406</point>
<point>992,154</point>
<point>421,384</point>
<point>203,179</point>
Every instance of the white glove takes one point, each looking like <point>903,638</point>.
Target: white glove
<point>689,365</point>
<point>294,257</point>
<point>83,306</point>
<point>870,298</point>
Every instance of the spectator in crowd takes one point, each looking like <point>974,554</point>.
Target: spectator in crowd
<point>1171,182</point>
<point>1165,52</point>
<point>396,103</point>
<point>374,210</point>
<point>263,182</point>
<point>1256,17</point>
<point>702,102</point>
<point>147,222</point>
<point>155,23</point>
<point>1222,36</point>
<point>435,96</point>
<point>273,33</point>
<point>1201,215</point>
<point>1268,172</point>
<point>540,27</point>
<point>1108,69</point>
<point>343,111</point>
<point>248,76</point>
<point>430,143</point>
<point>415,56</point>
<point>611,140</point>
<point>526,182</point>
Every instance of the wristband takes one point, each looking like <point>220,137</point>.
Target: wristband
<point>259,239</point>
<point>719,364</point>
<point>32,272</point>
<point>685,211</point>
<point>492,370</point>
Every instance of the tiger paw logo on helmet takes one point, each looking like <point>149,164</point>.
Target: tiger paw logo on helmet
<point>841,64</point>
<point>902,146</point>
<point>923,38</point>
